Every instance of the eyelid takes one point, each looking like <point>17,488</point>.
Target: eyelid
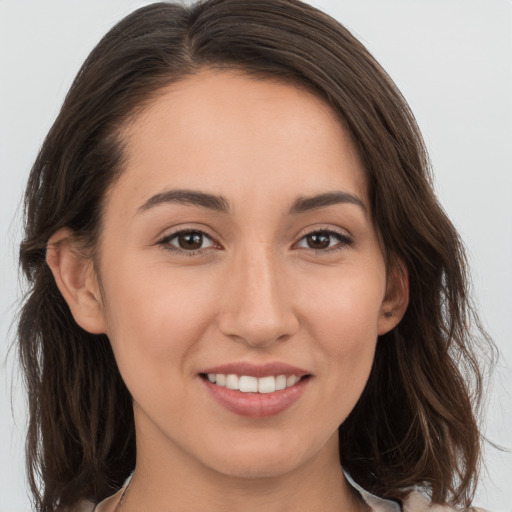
<point>185,228</point>
<point>344,237</point>
<point>320,228</point>
<point>164,240</point>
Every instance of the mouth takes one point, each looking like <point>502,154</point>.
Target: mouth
<point>251,384</point>
<point>255,391</point>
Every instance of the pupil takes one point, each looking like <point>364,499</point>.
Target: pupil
<point>191,241</point>
<point>318,240</point>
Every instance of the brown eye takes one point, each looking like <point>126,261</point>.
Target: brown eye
<point>190,241</point>
<point>318,240</point>
<point>324,241</point>
<point>187,241</point>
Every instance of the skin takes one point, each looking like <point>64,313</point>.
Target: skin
<point>255,291</point>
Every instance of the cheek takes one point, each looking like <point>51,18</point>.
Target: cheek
<point>347,307</point>
<point>344,324</point>
<point>154,318</point>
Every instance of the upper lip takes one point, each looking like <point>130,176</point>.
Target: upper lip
<point>257,370</point>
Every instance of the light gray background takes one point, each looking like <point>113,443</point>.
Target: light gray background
<point>452,59</point>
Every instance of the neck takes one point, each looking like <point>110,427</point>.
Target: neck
<point>169,480</point>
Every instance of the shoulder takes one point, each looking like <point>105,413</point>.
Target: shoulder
<point>415,501</point>
<point>418,502</point>
<point>106,505</point>
<point>82,506</point>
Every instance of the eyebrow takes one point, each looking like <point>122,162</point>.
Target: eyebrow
<point>305,204</point>
<point>188,197</point>
<point>220,204</point>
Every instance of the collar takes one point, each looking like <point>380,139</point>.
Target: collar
<point>374,502</point>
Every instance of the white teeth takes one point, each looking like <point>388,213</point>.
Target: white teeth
<point>267,384</point>
<point>291,380</point>
<point>232,381</point>
<point>280,382</point>
<point>249,384</point>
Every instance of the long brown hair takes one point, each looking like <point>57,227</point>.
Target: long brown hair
<point>415,422</point>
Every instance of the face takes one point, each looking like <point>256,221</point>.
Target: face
<point>238,247</point>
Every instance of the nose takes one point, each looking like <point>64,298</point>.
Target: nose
<point>257,301</point>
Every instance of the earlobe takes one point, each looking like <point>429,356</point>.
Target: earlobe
<point>396,300</point>
<point>77,281</point>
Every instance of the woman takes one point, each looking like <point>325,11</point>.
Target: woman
<point>242,280</point>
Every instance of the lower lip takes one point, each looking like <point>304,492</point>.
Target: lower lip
<point>257,405</point>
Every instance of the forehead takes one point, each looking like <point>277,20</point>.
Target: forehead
<point>225,132</point>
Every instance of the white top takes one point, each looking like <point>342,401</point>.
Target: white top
<point>374,502</point>
<point>415,502</point>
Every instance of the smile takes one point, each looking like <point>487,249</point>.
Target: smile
<point>255,397</point>
<point>249,384</point>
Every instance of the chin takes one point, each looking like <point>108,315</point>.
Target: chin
<point>263,460</point>
<point>257,468</point>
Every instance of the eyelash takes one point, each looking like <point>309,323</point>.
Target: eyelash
<point>343,239</point>
<point>166,242</point>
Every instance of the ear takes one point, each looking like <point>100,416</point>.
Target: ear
<point>76,279</point>
<point>396,299</point>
